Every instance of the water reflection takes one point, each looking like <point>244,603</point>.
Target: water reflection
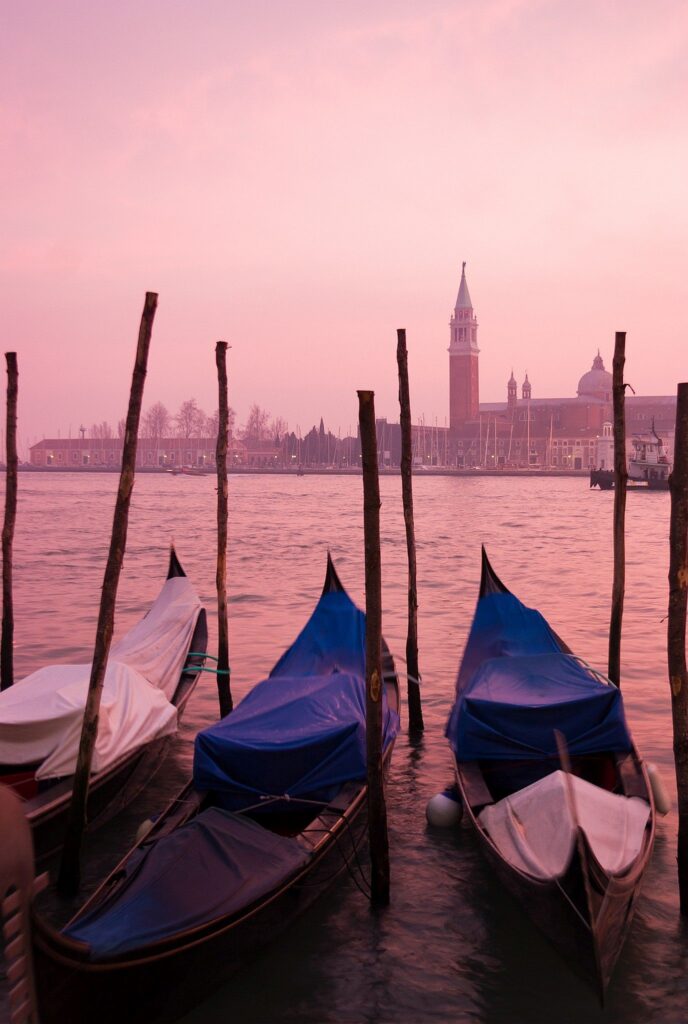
<point>452,945</point>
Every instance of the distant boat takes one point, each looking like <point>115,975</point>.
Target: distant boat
<point>188,471</point>
<point>567,829</point>
<point>649,462</point>
<point>648,466</point>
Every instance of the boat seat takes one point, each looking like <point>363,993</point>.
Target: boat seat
<point>631,778</point>
<point>474,785</point>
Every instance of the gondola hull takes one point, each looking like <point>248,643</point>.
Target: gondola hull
<point>587,932</point>
<point>520,690</point>
<point>166,984</point>
<point>163,976</point>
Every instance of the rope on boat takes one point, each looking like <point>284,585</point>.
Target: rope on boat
<point>201,654</point>
<point>213,671</point>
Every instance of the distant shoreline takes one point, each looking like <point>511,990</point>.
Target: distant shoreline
<point>314,471</point>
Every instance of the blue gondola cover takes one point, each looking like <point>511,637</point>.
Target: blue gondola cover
<point>299,737</point>
<point>516,686</point>
<point>215,865</point>
<point>301,732</point>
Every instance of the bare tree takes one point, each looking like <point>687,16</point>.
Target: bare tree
<point>278,427</point>
<point>190,420</point>
<point>100,430</point>
<point>121,428</point>
<point>257,426</point>
<point>156,421</point>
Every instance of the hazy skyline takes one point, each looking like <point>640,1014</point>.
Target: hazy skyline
<point>303,178</point>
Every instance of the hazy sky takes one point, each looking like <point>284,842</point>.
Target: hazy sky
<point>302,177</point>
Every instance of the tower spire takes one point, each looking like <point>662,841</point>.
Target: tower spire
<point>463,299</point>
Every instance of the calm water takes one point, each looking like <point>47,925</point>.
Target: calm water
<point>451,946</point>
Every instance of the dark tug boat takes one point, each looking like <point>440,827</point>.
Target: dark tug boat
<point>46,800</point>
<point>277,810</point>
<point>571,845</point>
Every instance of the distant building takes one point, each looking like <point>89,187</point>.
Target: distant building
<point>530,431</point>
<point>152,453</point>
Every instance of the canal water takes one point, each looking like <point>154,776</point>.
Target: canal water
<point>451,946</point>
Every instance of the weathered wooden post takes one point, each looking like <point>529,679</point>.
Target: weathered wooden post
<point>676,632</point>
<point>620,479</point>
<point>224,691</point>
<point>7,642</point>
<point>415,710</point>
<point>377,811</point>
<point>68,881</point>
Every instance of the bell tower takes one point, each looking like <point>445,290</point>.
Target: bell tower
<point>463,359</point>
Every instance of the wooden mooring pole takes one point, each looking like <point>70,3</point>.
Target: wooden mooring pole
<point>7,642</point>
<point>69,877</point>
<point>676,632</point>
<point>620,479</point>
<point>377,810</point>
<point>415,710</point>
<point>224,691</point>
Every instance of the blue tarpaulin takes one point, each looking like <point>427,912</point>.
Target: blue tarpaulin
<point>516,686</point>
<point>333,638</point>
<point>217,864</point>
<point>302,737</point>
<point>301,732</point>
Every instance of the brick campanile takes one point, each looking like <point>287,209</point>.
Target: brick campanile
<point>463,359</point>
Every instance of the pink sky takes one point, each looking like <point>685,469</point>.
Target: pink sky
<point>301,178</point>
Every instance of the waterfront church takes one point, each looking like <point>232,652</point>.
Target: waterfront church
<point>527,431</point>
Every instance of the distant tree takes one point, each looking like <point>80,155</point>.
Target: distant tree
<point>190,420</point>
<point>155,421</point>
<point>100,430</point>
<point>121,427</point>
<point>212,422</point>
<point>257,426</point>
<point>278,427</point>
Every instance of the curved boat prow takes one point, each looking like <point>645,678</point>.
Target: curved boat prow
<point>333,584</point>
<point>490,582</point>
<point>175,568</point>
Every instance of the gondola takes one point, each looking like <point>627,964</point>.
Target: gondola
<point>550,780</point>
<point>151,674</point>
<point>276,811</point>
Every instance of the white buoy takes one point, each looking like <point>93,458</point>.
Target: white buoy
<point>444,809</point>
<point>662,800</point>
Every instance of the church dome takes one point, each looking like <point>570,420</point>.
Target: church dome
<point>597,382</point>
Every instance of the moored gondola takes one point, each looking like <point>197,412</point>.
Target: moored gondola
<point>276,811</point>
<point>566,822</point>
<point>152,672</point>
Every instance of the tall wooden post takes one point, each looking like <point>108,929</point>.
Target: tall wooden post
<point>620,479</point>
<point>7,642</point>
<point>223,686</point>
<point>676,632</point>
<point>377,811</point>
<point>68,881</point>
<point>415,710</point>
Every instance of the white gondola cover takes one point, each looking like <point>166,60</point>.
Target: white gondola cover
<point>534,829</point>
<point>41,716</point>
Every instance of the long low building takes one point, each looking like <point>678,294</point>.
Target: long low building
<point>151,453</point>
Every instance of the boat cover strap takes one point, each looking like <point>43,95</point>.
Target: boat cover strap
<point>215,865</point>
<point>535,828</point>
